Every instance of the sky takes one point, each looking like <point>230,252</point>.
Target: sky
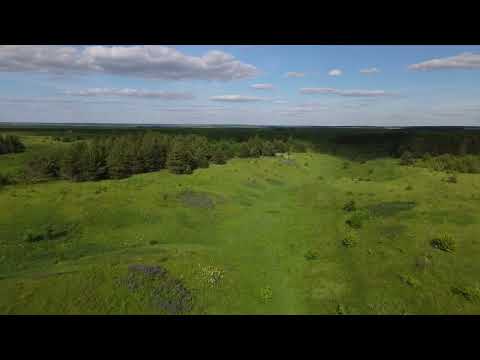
<point>241,84</point>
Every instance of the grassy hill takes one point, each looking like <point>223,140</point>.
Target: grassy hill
<point>253,236</point>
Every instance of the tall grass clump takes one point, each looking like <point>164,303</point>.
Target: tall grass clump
<point>444,242</point>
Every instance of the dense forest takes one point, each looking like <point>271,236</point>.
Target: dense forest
<point>10,144</point>
<point>116,157</point>
<point>96,154</point>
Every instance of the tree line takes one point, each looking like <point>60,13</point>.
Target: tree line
<point>11,144</point>
<point>117,157</point>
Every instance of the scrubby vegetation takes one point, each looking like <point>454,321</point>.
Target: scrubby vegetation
<point>444,242</point>
<point>469,293</point>
<point>450,163</point>
<point>349,206</point>
<point>350,239</point>
<point>5,180</point>
<point>10,144</point>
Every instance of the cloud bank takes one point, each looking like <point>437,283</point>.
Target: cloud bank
<point>262,86</point>
<point>353,93</point>
<point>236,98</point>
<point>335,72</point>
<point>164,95</point>
<point>294,74</point>
<point>462,61</point>
<point>372,70</point>
<point>146,61</point>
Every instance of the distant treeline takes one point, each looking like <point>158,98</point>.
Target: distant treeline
<point>117,157</point>
<point>417,143</point>
<point>10,144</point>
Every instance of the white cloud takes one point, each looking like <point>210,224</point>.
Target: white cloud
<point>353,93</point>
<point>147,61</point>
<point>294,74</point>
<point>236,98</point>
<point>301,110</point>
<point>372,70</point>
<point>462,61</point>
<point>262,86</point>
<point>280,101</point>
<point>164,95</point>
<point>335,72</point>
<point>55,100</point>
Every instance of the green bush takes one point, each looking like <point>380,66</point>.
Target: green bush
<point>444,242</point>
<point>454,163</point>
<point>49,232</point>
<point>5,180</point>
<point>409,280</point>
<point>341,310</point>
<point>407,158</point>
<point>31,236</point>
<point>350,239</point>
<point>469,293</point>
<point>355,221</point>
<point>266,294</point>
<point>451,179</point>
<point>349,206</point>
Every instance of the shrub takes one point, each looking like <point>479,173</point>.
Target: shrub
<point>49,232</point>
<point>31,236</point>
<point>350,239</point>
<point>266,294</point>
<point>341,310</point>
<point>153,242</point>
<point>451,179</point>
<point>355,221</point>
<point>444,242</point>
<point>349,206</point>
<point>427,156</point>
<point>5,180</point>
<point>408,280</point>
<point>409,187</point>
<point>407,158</point>
<point>469,293</point>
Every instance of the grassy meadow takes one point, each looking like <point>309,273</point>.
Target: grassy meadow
<point>268,235</point>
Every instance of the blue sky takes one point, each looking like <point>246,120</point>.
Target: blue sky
<point>240,84</point>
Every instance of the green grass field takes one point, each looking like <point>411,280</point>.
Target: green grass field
<point>254,236</point>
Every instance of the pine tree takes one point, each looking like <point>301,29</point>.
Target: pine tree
<point>118,166</point>
<point>268,148</point>
<point>96,161</point>
<point>73,164</point>
<point>255,146</point>
<point>219,155</point>
<point>243,150</point>
<point>179,159</point>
